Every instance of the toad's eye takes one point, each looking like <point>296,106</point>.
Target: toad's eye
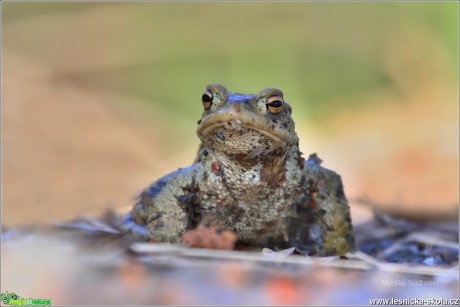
<point>275,104</point>
<point>207,99</point>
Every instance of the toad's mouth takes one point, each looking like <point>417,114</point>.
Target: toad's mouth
<point>235,137</point>
<point>239,128</point>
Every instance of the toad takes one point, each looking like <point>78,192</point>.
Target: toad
<point>250,178</point>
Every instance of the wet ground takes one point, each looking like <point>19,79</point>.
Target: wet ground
<point>89,261</point>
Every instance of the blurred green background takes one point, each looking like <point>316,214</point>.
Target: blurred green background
<point>359,77</point>
<point>165,53</point>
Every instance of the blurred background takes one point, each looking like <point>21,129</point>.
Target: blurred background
<point>101,99</point>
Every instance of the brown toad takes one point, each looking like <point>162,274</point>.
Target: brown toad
<point>249,177</point>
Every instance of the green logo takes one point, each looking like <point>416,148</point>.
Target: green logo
<point>13,299</point>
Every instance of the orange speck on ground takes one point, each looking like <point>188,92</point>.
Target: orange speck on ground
<point>282,291</point>
<point>132,275</point>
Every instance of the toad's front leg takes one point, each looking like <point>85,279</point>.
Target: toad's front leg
<point>163,210</point>
<point>321,224</point>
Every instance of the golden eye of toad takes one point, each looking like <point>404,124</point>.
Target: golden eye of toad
<point>275,104</point>
<point>207,99</point>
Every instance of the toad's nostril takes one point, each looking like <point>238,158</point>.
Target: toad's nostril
<point>236,106</point>
<point>243,105</point>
